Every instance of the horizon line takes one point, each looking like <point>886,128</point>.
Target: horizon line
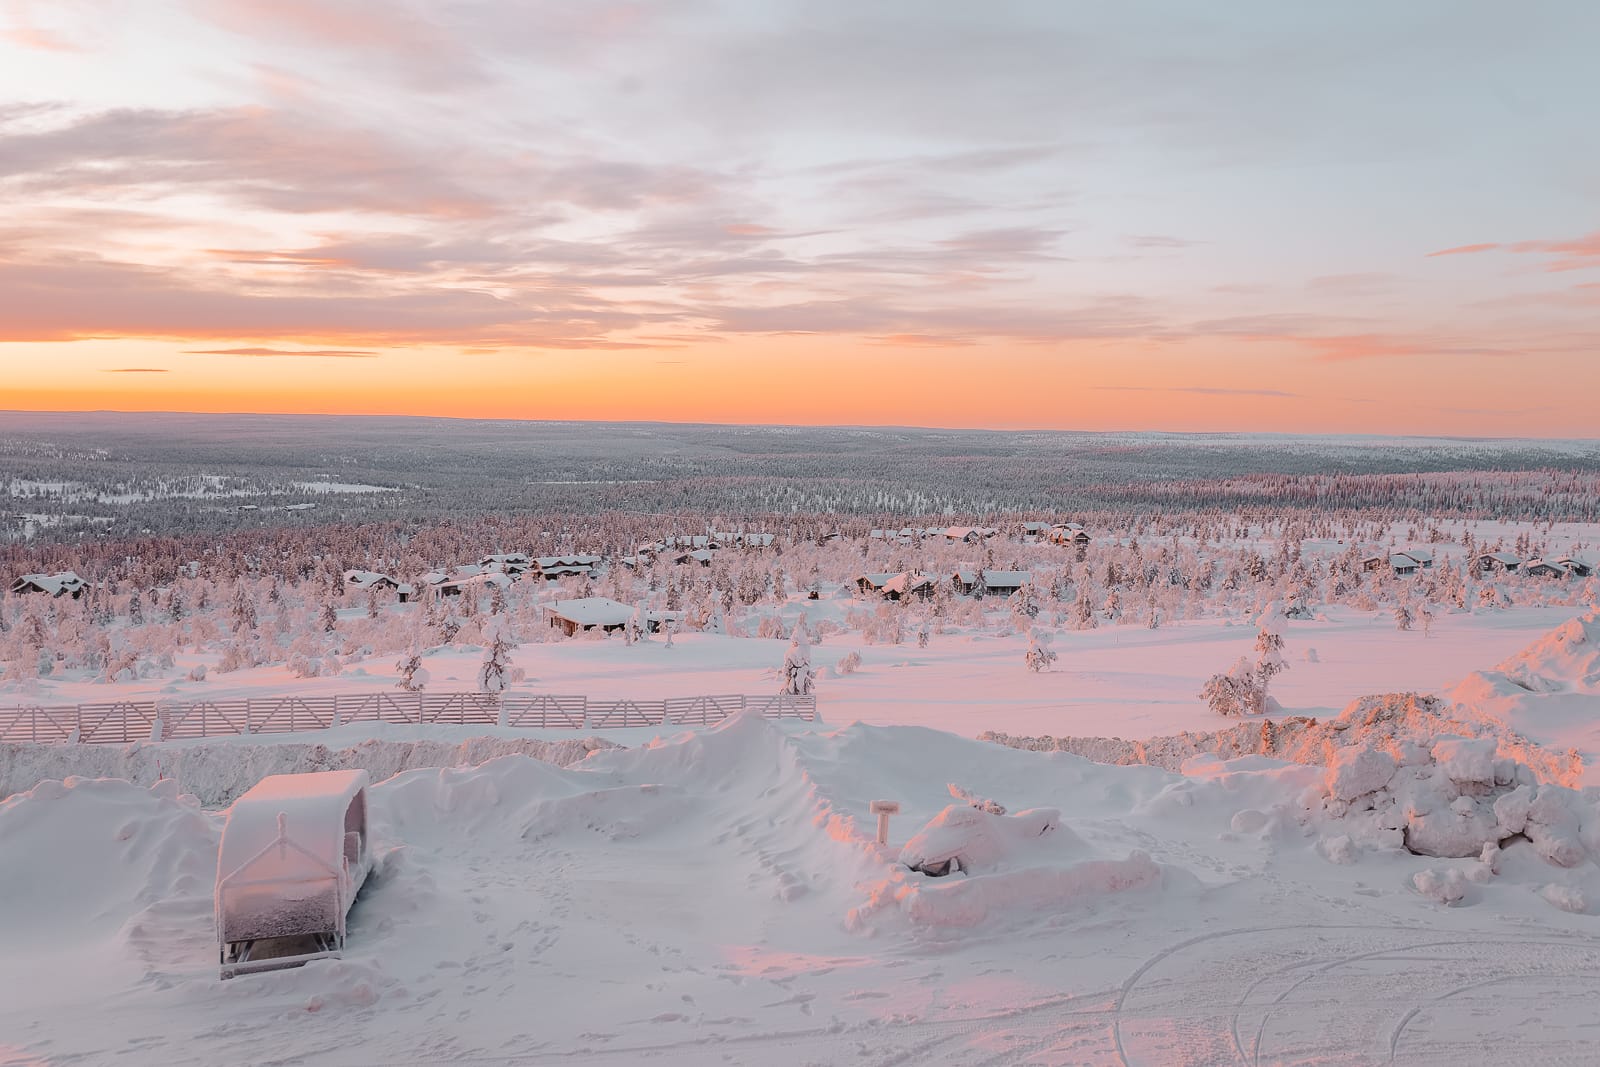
<point>795,425</point>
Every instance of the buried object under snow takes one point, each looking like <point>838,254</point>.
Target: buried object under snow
<point>968,839</point>
<point>294,854</point>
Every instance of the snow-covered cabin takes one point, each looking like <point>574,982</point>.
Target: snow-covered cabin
<point>294,853</point>
<point>896,586</point>
<point>67,583</point>
<point>700,556</point>
<point>1068,533</point>
<point>599,612</point>
<point>581,564</point>
<point>1423,556</point>
<point>1404,564</point>
<point>969,534</point>
<point>1577,565</point>
<point>512,563</point>
<point>1497,561</point>
<point>483,582</point>
<point>366,581</point>
<point>995,583</point>
<point>1545,568</point>
<point>689,541</point>
<point>745,539</point>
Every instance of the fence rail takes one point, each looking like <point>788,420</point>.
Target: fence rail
<point>118,722</point>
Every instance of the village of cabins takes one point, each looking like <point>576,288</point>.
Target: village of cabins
<point>574,615</point>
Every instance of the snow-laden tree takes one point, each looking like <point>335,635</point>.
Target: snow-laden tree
<point>413,675</point>
<point>242,610</point>
<point>1237,692</point>
<point>798,676</point>
<point>494,673</point>
<point>1083,614</point>
<point>1039,655</point>
<point>1269,651</point>
<point>637,627</point>
<point>1403,617</point>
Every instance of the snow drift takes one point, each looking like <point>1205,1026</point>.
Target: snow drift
<point>1388,721</point>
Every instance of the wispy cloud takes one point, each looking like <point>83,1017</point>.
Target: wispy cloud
<point>1574,253</point>
<point>1464,250</point>
<point>134,370</point>
<point>313,353</point>
<point>1202,390</point>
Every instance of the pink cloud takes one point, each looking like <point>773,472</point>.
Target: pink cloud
<point>1463,250</point>
<point>1573,254</point>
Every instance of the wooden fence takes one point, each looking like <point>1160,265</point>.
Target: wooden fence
<point>118,722</point>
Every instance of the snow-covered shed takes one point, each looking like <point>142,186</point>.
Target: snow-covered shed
<point>67,583</point>
<point>294,854</point>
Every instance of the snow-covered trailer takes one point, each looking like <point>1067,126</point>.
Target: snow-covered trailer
<point>294,854</point>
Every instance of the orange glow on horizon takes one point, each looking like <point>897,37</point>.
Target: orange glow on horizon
<point>783,380</point>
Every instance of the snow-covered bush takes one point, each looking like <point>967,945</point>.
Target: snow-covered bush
<point>1039,655</point>
<point>849,662</point>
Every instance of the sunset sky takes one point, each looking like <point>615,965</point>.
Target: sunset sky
<point>1362,217</point>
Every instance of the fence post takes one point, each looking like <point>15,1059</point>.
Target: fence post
<point>333,723</point>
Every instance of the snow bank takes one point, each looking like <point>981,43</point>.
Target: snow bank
<point>1564,658</point>
<point>83,856</point>
<point>217,771</point>
<point>1387,722</point>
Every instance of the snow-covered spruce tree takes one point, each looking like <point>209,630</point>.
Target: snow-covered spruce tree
<point>242,610</point>
<point>494,673</point>
<point>1039,655</point>
<point>413,675</point>
<point>798,676</point>
<point>1269,653</point>
<point>329,616</point>
<point>1083,615</point>
<point>1402,617</point>
<point>1025,605</point>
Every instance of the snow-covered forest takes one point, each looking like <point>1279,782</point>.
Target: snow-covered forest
<point>71,477</point>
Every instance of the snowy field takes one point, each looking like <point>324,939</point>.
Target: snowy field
<point>1123,681</point>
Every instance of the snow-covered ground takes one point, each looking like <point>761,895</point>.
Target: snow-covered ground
<point>716,896</point>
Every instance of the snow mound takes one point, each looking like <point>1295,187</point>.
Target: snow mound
<point>1388,722</point>
<point>85,856</point>
<point>1565,658</point>
<point>217,771</point>
<point>1454,799</point>
<point>968,839</point>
